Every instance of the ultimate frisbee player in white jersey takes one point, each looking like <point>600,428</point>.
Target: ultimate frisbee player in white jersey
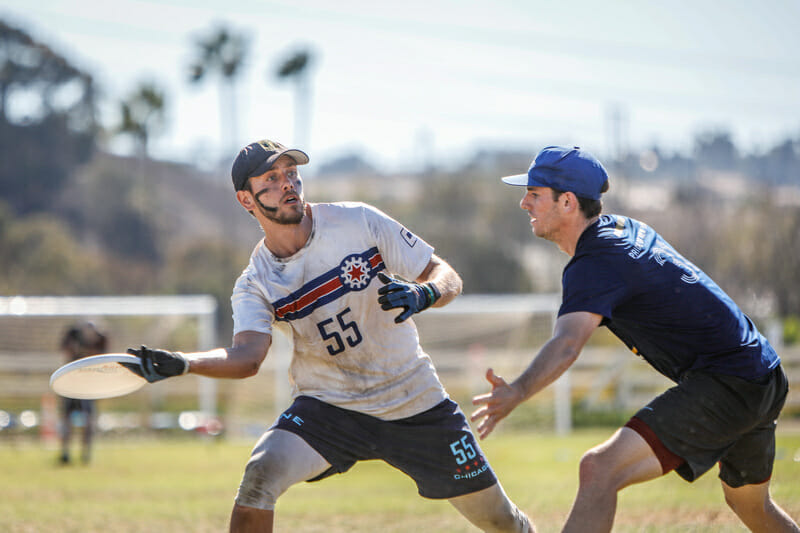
<point>332,276</point>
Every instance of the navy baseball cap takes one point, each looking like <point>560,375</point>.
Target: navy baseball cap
<point>564,169</point>
<point>258,157</point>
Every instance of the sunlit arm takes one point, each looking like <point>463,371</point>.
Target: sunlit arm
<point>570,334</point>
<point>444,277</point>
<point>241,360</point>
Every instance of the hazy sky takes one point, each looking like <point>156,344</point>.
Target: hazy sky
<point>407,81</point>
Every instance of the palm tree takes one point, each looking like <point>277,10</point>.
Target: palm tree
<point>296,68</point>
<point>142,115</point>
<point>222,52</point>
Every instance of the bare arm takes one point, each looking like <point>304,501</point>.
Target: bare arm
<point>569,337</point>
<point>241,360</point>
<point>444,277</point>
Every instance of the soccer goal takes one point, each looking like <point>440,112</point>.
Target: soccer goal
<point>31,328</point>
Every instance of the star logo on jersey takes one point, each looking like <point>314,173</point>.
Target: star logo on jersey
<point>352,274</point>
<point>355,272</point>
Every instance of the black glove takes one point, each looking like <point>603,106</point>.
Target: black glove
<point>158,364</point>
<point>412,297</point>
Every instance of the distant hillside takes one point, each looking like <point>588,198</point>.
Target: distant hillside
<point>186,204</point>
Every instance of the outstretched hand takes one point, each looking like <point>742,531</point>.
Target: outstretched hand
<point>412,297</point>
<point>495,405</point>
<point>158,364</point>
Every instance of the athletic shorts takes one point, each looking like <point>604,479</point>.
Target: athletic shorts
<point>72,405</point>
<point>435,448</point>
<point>710,418</point>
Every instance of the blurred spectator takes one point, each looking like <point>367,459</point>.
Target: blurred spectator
<point>80,340</point>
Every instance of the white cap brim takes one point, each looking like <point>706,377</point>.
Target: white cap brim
<point>516,179</point>
<point>299,156</point>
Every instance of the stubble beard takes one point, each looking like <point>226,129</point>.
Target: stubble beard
<point>274,214</point>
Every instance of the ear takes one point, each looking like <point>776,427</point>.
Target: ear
<point>569,201</point>
<point>245,198</point>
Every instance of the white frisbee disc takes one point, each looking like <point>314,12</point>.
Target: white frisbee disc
<point>97,376</point>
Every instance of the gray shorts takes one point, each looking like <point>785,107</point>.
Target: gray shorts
<point>710,418</point>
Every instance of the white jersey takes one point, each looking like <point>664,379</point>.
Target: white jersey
<point>347,351</point>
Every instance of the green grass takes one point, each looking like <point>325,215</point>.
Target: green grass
<point>189,485</point>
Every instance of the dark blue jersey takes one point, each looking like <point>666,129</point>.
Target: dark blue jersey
<point>661,305</point>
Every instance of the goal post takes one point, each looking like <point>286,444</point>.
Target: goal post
<point>31,328</point>
<point>81,306</point>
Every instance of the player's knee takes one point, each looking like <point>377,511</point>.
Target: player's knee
<point>279,460</point>
<point>746,506</point>
<point>592,469</point>
<point>263,482</point>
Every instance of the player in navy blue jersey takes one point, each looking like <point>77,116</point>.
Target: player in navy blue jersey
<point>730,387</point>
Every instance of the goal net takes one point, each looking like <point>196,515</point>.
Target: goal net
<point>31,329</point>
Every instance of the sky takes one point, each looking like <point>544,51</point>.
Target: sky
<point>406,84</point>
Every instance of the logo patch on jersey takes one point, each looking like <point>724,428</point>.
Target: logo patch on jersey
<point>645,241</point>
<point>353,274</point>
<point>409,237</point>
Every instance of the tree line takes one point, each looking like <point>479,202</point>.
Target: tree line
<point>75,219</point>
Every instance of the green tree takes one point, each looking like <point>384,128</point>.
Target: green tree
<point>108,205</point>
<point>474,225</point>
<point>47,120</point>
<point>207,268</point>
<point>40,256</point>
<point>775,261</point>
<point>716,149</point>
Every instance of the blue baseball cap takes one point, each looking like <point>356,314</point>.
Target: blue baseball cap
<point>564,169</point>
<point>258,157</point>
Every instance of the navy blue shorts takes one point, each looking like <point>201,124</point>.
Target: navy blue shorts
<point>435,448</point>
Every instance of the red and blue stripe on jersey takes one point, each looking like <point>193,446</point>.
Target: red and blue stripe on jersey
<point>354,273</point>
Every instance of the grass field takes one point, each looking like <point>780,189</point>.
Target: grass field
<point>187,485</point>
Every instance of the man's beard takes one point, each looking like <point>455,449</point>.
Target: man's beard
<point>286,219</point>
